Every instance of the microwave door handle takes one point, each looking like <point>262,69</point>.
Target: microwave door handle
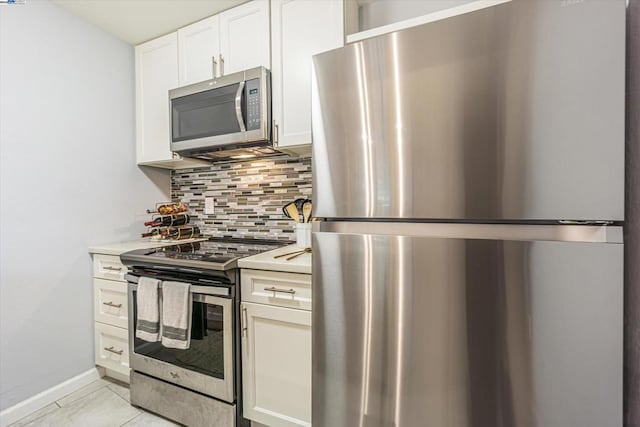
<point>239,106</point>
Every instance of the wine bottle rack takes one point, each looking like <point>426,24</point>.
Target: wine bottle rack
<point>176,228</point>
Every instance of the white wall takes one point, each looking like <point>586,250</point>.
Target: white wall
<point>67,180</point>
<point>376,13</point>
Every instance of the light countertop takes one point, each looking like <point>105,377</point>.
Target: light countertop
<point>266,261</point>
<point>122,247</point>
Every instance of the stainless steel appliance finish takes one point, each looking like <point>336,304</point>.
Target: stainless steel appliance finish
<point>170,401</point>
<point>419,331</point>
<point>469,179</point>
<point>565,233</point>
<point>231,112</point>
<point>513,112</point>
<point>205,379</point>
<point>221,388</point>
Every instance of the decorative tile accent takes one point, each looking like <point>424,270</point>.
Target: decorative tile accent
<point>249,196</point>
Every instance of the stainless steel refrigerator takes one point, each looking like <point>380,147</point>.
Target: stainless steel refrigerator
<point>468,175</point>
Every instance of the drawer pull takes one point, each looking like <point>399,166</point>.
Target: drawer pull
<point>108,267</point>
<point>284,291</point>
<point>111,304</point>
<point>111,350</point>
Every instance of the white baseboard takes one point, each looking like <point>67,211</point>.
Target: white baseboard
<point>40,400</point>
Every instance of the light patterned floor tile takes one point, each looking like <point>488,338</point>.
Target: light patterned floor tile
<point>149,420</point>
<point>82,392</point>
<point>120,389</point>
<point>35,415</point>
<point>102,408</point>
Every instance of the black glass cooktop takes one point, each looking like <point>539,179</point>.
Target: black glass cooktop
<point>217,249</point>
<point>216,252</point>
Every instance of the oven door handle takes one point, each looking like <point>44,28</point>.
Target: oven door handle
<point>239,106</point>
<point>220,291</point>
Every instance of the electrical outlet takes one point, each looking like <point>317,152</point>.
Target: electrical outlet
<point>208,205</point>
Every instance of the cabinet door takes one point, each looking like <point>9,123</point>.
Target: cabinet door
<point>156,73</point>
<point>300,29</point>
<point>276,363</point>
<point>244,37</point>
<point>198,48</point>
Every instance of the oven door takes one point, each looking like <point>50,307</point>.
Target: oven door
<point>207,365</point>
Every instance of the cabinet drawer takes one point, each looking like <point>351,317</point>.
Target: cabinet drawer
<point>110,302</point>
<point>108,267</point>
<point>277,288</point>
<point>112,348</point>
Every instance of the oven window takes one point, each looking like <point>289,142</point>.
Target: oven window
<point>203,114</point>
<point>206,350</point>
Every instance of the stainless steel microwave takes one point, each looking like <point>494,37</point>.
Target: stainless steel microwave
<point>222,116</point>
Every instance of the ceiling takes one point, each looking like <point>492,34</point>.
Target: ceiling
<point>136,21</point>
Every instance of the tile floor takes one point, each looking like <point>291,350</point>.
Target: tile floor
<point>103,403</point>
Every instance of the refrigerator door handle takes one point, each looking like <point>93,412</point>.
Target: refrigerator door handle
<point>560,233</point>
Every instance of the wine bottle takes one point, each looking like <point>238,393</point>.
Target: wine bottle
<point>169,208</point>
<point>151,233</point>
<point>179,233</point>
<point>169,220</point>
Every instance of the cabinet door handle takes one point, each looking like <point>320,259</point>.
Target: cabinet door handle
<point>111,350</point>
<point>108,267</point>
<point>221,65</point>
<point>111,304</point>
<point>214,67</point>
<point>275,133</point>
<point>284,291</point>
<point>244,321</point>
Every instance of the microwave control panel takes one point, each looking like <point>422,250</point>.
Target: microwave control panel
<point>252,93</point>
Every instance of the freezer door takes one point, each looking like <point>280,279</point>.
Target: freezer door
<point>420,331</point>
<point>515,111</point>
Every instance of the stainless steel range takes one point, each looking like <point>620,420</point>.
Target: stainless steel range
<point>199,386</point>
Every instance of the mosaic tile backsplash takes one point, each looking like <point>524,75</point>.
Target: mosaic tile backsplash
<point>249,196</point>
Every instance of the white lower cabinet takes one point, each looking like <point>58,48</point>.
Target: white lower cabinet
<point>111,315</point>
<point>276,363</point>
<point>110,302</point>
<point>112,348</point>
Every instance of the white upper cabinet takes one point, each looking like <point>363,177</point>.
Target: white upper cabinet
<point>299,30</point>
<point>199,51</point>
<point>244,37</point>
<point>237,39</point>
<point>156,73</point>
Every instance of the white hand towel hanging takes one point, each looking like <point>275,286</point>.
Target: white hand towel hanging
<point>176,315</point>
<point>148,310</point>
